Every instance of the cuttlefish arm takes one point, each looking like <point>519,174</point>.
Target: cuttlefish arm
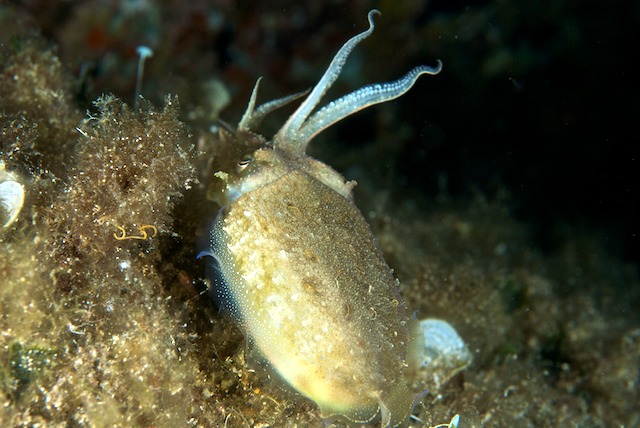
<point>301,126</point>
<point>362,98</point>
<point>253,116</point>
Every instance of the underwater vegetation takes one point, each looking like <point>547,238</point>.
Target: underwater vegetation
<point>104,318</point>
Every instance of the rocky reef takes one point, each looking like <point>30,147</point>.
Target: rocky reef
<point>104,317</point>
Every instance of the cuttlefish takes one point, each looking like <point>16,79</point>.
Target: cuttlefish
<point>299,268</point>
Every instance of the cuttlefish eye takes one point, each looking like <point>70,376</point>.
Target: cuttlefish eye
<point>243,163</point>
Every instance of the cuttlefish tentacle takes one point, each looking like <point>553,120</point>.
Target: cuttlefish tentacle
<point>288,137</point>
<point>362,98</point>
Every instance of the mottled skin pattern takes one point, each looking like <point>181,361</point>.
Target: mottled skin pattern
<point>302,272</point>
<point>314,294</point>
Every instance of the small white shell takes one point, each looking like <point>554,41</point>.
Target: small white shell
<point>441,340</point>
<point>11,197</point>
<point>444,354</point>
